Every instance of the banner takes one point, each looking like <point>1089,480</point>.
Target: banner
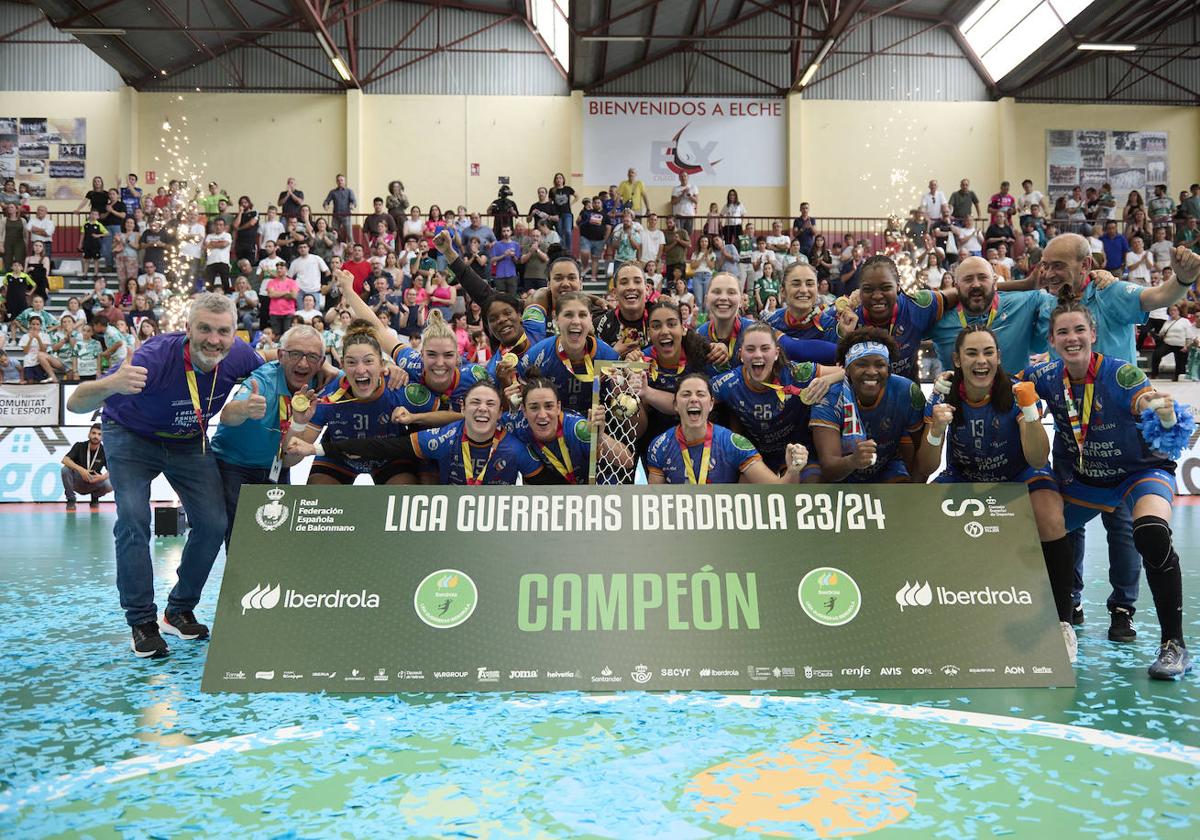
<point>46,156</point>
<point>1127,160</point>
<point>733,142</point>
<point>29,405</point>
<point>348,589</point>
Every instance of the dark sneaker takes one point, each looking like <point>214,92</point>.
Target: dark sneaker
<point>1077,615</point>
<point>1173,661</point>
<point>147,641</point>
<point>70,507</point>
<point>1121,628</point>
<point>183,625</point>
<point>94,504</point>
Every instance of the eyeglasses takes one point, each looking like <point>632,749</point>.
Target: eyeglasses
<point>296,356</point>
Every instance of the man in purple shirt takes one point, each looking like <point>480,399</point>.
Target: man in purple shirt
<point>157,406</point>
<point>504,254</point>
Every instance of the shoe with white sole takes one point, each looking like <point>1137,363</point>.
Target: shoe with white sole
<point>147,642</point>
<point>183,624</point>
<point>1072,643</point>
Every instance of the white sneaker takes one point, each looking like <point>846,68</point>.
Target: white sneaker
<point>1069,638</point>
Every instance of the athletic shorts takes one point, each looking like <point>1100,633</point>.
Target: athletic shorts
<point>346,471</point>
<point>1081,501</point>
<point>1039,479</point>
<point>595,247</point>
<point>893,472</point>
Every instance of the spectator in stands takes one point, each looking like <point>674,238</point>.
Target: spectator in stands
<point>1161,247</point>
<point>563,197</point>
<point>83,470</point>
<point>40,228</point>
<point>146,329</point>
<point>1003,202</point>
<point>932,200</point>
<point>966,237</point>
<point>379,215</point>
<point>217,247</point>
<point>1115,247</point>
<point>151,279</point>
<point>631,193</point>
<point>1190,203</point>
<point>1175,336</point>
<point>245,230</point>
<point>63,346</point>
<point>12,245</point>
<point>1139,225</point>
<point>1028,200</point>
<point>270,228</point>
<point>941,229</point>
<point>284,293</point>
<point>685,198</point>
<point>358,266</point>
<point>503,254</point>
<point>1132,203</point>
<point>245,300</point>
<point>962,201</point>
<point>35,367</point>
<point>342,201</point>
<point>37,309</point>
<point>675,248</point>
<point>396,202</point>
<point>820,258</point>
<point>778,241</point>
<point>1139,262</point>
<point>503,210</point>
<point>37,266</point>
<point>1162,208</point>
<point>10,368</point>
<point>291,200</point>
<point>534,259</point>
<point>1000,231</point>
<point>593,235</point>
<point>131,193</point>
<point>731,217</point>
<point>1188,234</point>
<point>712,222</point>
<point>310,271</point>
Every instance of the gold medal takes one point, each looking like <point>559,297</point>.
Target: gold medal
<point>300,403</point>
<point>510,359</point>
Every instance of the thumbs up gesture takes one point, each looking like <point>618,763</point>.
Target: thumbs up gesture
<point>256,403</point>
<point>128,378</point>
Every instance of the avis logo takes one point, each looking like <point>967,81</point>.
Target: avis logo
<point>966,507</point>
<point>260,598</point>
<point>914,595</point>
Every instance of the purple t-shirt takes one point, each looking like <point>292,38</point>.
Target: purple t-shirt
<point>164,408</point>
<point>503,267</point>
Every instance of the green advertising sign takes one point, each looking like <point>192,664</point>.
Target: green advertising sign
<point>724,587</point>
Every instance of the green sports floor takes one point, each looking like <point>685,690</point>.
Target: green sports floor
<point>98,744</point>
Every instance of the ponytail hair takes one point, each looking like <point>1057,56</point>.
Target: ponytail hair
<point>534,379</point>
<point>1001,396</point>
<point>361,331</point>
<point>436,327</point>
<point>1069,301</point>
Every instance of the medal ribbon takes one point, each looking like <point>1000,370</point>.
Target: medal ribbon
<point>1080,424</point>
<point>862,317</point>
<point>444,397</point>
<point>687,456</point>
<point>814,316</point>
<point>469,465</point>
<point>654,366</point>
<point>564,467</point>
<point>519,348</point>
<point>733,335</point>
<point>962,319</point>
<point>194,392</point>
<point>590,374</point>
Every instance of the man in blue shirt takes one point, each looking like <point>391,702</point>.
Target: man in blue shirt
<point>157,406</point>
<point>249,439</point>
<point>1117,309</point>
<point>504,254</point>
<point>1116,246</point>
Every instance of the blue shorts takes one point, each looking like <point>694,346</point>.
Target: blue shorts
<point>595,247</point>
<point>1034,479</point>
<point>1081,502</point>
<point>893,472</point>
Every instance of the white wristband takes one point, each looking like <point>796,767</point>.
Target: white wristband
<point>320,450</point>
<point>298,427</point>
<point>1030,413</point>
<point>934,440</point>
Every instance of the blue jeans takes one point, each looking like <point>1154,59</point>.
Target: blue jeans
<point>133,463</point>
<point>233,476</point>
<point>106,243</point>
<point>1124,563</point>
<point>566,227</point>
<point>700,281</point>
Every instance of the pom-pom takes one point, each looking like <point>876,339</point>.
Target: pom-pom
<point>624,406</point>
<point>1171,442</point>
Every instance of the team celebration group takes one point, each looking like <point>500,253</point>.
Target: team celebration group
<point>814,393</point>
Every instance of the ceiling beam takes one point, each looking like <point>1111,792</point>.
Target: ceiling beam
<point>444,47</point>
<point>836,28</point>
<point>312,16</point>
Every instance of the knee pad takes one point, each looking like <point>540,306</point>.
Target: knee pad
<point>1152,538</point>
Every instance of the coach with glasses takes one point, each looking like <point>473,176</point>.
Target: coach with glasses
<point>275,398</point>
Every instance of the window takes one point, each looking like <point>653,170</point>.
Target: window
<point>1003,33</point>
<point>550,21</point>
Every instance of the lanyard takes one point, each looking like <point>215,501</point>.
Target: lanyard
<point>687,456</point>
<point>519,348</point>
<point>1079,425</point>
<point>654,366</point>
<point>194,392</point>
<point>469,465</point>
<point>782,391</point>
<point>862,317</point>
<point>814,315</point>
<point>91,459</point>
<point>564,467</point>
<point>590,374</point>
<point>962,319</point>
<point>444,397</point>
<point>733,335</point>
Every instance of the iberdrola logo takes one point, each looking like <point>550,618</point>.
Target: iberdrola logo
<point>446,598</point>
<point>829,596</point>
<point>260,598</point>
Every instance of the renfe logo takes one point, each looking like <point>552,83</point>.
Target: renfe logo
<point>268,597</point>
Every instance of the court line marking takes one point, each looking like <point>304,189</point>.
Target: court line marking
<point>66,784</point>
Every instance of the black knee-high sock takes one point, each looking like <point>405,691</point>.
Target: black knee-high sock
<point>1152,538</point>
<point>1060,567</point>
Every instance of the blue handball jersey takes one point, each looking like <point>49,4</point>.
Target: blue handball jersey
<point>983,444</point>
<point>1113,447</point>
<point>814,327</point>
<point>518,350</point>
<point>729,456</point>
<point>912,319</point>
<point>733,343</point>
<point>772,417</point>
<point>897,418</point>
<point>576,439</point>
<point>354,419</point>
<point>574,386</point>
<point>495,463</point>
<point>452,399</point>
<point>1020,322</point>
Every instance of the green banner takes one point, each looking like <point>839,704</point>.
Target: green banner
<point>724,587</point>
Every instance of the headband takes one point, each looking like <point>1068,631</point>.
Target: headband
<point>866,348</point>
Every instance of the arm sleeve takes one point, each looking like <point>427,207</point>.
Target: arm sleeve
<point>478,288</point>
<point>398,448</point>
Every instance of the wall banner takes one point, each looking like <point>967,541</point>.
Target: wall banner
<point>656,588</point>
<point>738,142</point>
<point>29,405</point>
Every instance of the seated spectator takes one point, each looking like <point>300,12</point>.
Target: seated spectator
<point>246,301</point>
